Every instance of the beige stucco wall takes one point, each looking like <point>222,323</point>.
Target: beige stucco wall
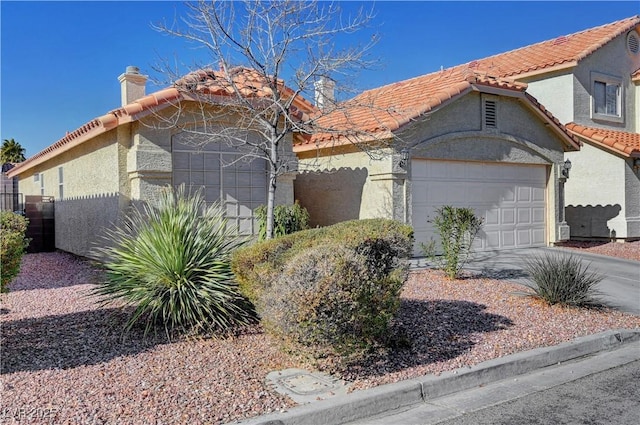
<point>555,92</point>
<point>91,200</point>
<point>349,184</point>
<point>595,194</point>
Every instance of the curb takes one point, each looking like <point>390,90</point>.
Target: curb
<point>366,403</point>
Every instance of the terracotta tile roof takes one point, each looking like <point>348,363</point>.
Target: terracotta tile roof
<point>385,109</point>
<point>561,52</point>
<point>621,142</point>
<point>101,125</point>
<point>248,82</point>
<point>635,77</point>
<point>207,82</point>
<point>377,113</point>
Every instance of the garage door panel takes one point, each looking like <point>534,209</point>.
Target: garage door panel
<point>524,237</point>
<point>524,194</point>
<point>538,237</point>
<point>538,215</point>
<point>524,216</point>
<point>508,216</point>
<point>538,194</point>
<point>511,198</point>
<point>508,239</point>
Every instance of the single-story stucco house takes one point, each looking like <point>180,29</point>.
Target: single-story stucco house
<point>131,153</point>
<point>458,137</point>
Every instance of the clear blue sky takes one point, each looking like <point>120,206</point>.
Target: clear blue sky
<point>60,60</point>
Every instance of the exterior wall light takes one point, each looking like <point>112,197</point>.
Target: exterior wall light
<point>636,163</point>
<point>404,157</point>
<point>564,171</point>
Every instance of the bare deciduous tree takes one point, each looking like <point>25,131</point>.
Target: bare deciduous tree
<point>270,57</point>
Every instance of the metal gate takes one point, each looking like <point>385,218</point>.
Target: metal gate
<point>39,210</point>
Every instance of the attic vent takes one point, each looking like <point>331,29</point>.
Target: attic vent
<point>490,114</point>
<point>633,43</point>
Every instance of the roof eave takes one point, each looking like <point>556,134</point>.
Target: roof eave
<point>548,70</point>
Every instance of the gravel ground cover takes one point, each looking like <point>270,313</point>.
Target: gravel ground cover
<point>626,250</point>
<point>63,359</point>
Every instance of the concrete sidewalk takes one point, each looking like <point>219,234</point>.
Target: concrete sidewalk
<point>359,406</point>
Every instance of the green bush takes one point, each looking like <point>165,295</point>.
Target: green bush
<point>287,219</point>
<point>13,245</point>
<point>563,279</point>
<point>457,228</point>
<point>172,263</point>
<point>332,290</point>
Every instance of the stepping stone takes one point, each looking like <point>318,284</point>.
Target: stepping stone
<point>305,387</point>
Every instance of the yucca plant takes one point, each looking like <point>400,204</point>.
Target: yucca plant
<point>171,263</point>
<point>563,279</point>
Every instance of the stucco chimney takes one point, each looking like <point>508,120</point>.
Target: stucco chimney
<point>132,85</point>
<point>324,93</point>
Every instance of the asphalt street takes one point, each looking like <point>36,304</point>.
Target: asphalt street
<point>596,390</point>
<point>609,397</point>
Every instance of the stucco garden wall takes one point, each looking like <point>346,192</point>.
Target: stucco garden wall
<point>632,199</point>
<point>348,185</point>
<point>595,194</point>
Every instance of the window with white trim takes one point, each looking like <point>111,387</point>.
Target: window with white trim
<point>606,98</point>
<point>41,184</point>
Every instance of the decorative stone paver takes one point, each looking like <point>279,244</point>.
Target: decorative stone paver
<point>305,387</point>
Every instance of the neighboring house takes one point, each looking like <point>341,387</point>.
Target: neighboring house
<point>133,152</point>
<point>590,81</point>
<point>478,135</point>
<point>456,137</point>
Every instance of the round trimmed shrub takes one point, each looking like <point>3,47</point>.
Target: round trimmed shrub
<point>331,290</point>
<point>333,299</point>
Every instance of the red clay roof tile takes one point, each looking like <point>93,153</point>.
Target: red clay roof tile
<point>207,82</point>
<point>565,50</point>
<point>621,142</point>
<point>396,104</point>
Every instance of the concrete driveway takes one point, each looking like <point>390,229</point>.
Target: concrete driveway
<point>620,286</point>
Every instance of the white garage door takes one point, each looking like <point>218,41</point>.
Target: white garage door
<point>511,199</point>
<point>239,185</point>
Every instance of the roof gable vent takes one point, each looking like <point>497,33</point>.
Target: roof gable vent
<point>490,113</point>
<point>633,43</point>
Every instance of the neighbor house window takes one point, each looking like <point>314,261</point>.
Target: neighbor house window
<point>607,98</point>
<point>41,184</point>
<point>60,183</point>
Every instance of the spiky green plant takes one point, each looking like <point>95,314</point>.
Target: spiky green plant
<point>563,279</point>
<point>171,262</point>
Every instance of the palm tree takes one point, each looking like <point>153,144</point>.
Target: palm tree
<point>11,151</point>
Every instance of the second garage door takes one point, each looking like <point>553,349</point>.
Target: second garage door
<point>511,198</point>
